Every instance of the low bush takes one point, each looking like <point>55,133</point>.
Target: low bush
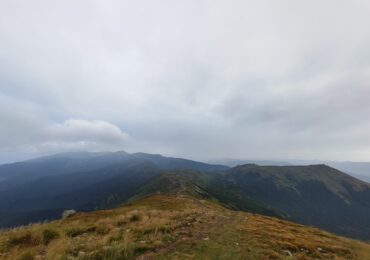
<point>27,256</point>
<point>121,221</point>
<point>48,235</point>
<point>23,238</point>
<point>135,218</point>
<point>115,238</point>
<point>76,231</point>
<point>102,229</point>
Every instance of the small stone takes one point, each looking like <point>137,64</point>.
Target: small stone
<point>68,213</point>
<point>206,238</point>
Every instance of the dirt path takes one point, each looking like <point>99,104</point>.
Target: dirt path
<point>197,229</point>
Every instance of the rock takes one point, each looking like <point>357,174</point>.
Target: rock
<point>206,238</point>
<point>68,213</point>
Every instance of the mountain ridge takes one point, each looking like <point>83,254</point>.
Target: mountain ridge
<point>315,195</point>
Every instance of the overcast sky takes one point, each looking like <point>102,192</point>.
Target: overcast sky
<point>199,79</point>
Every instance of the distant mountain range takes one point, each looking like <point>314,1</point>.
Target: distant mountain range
<point>316,195</point>
<point>360,170</point>
<point>42,188</point>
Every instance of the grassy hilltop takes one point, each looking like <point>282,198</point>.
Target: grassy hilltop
<point>175,227</point>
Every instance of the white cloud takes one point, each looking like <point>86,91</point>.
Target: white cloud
<point>26,130</point>
<point>80,135</point>
<point>83,130</point>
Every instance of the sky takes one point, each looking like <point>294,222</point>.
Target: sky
<point>197,79</point>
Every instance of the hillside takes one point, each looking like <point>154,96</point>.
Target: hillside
<point>315,195</point>
<point>175,227</point>
<point>359,170</point>
<point>210,186</point>
<point>42,188</point>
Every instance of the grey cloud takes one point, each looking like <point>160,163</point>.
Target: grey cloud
<point>201,79</point>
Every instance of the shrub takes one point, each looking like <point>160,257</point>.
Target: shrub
<point>24,238</point>
<point>121,221</point>
<point>48,235</point>
<point>76,231</point>
<point>141,249</point>
<point>102,229</point>
<point>27,256</point>
<point>164,229</point>
<point>115,238</point>
<point>147,231</point>
<point>135,218</point>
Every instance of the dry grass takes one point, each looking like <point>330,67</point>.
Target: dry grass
<point>163,227</point>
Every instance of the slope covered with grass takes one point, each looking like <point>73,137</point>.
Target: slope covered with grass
<point>315,195</point>
<point>204,186</point>
<point>175,227</point>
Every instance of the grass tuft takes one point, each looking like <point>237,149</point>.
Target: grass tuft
<point>23,238</point>
<point>27,256</point>
<point>49,235</point>
<point>76,231</point>
<point>115,252</point>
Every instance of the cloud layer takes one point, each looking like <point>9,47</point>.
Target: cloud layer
<point>201,79</point>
